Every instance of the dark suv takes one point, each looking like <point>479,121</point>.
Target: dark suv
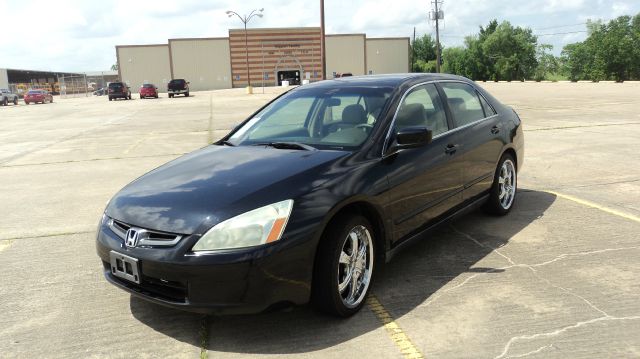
<point>178,87</point>
<point>119,90</point>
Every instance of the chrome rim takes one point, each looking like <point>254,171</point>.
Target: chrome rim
<point>355,266</point>
<point>507,183</point>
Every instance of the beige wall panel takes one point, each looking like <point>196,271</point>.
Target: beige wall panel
<point>386,56</point>
<point>345,53</point>
<point>206,63</point>
<point>144,64</point>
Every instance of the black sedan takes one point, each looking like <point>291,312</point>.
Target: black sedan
<point>306,198</point>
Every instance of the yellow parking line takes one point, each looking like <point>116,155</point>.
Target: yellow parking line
<point>400,339</point>
<point>597,206</point>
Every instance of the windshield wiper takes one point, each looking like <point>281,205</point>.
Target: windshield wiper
<point>287,145</point>
<point>225,142</point>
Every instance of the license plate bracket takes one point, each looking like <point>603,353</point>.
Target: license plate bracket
<point>125,267</point>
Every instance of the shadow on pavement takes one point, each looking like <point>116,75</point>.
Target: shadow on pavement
<point>409,280</point>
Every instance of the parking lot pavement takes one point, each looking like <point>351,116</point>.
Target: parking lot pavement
<point>559,277</point>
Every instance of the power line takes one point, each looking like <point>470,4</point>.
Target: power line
<point>555,27</point>
<point>562,33</point>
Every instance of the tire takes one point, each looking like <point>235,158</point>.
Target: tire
<point>170,95</point>
<point>51,101</point>
<point>186,94</point>
<point>26,102</point>
<point>15,100</point>
<point>5,102</point>
<point>110,99</point>
<point>141,97</point>
<point>336,262</point>
<point>156,96</point>
<point>504,188</point>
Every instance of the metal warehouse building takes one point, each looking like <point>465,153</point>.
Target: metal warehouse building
<point>273,55</point>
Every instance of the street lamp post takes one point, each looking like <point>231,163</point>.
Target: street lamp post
<point>245,19</point>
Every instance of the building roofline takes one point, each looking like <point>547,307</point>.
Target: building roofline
<point>199,38</point>
<point>145,45</point>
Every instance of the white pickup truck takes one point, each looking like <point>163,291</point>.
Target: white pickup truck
<point>6,96</point>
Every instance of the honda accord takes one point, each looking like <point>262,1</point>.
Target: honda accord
<point>305,199</point>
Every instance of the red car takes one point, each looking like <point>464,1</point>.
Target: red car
<point>148,90</point>
<point>36,96</point>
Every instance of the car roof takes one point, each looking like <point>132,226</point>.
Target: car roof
<point>392,80</point>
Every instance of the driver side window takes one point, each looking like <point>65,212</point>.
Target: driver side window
<point>422,107</point>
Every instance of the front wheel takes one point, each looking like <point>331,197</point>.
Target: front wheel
<point>186,94</point>
<point>503,190</point>
<point>5,102</point>
<point>15,100</point>
<point>344,266</point>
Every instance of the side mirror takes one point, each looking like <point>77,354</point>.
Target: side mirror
<point>412,137</point>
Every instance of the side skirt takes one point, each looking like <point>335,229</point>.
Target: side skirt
<point>471,206</point>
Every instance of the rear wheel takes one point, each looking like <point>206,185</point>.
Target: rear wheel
<point>186,94</point>
<point>5,102</point>
<point>15,100</point>
<point>344,266</point>
<point>503,190</point>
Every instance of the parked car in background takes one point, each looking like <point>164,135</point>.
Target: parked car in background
<point>148,90</point>
<point>178,87</point>
<point>119,90</point>
<point>100,92</point>
<point>38,96</point>
<point>309,195</point>
<point>6,96</point>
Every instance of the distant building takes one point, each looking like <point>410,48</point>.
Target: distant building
<point>20,81</point>
<point>274,55</point>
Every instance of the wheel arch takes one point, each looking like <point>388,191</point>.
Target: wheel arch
<point>368,209</point>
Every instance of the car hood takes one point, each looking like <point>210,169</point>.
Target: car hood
<point>193,192</point>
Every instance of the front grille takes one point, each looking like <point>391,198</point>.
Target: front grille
<point>147,237</point>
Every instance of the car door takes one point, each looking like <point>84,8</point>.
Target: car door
<point>424,182</point>
<point>482,135</point>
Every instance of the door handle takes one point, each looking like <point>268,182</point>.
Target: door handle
<point>450,149</point>
<point>495,130</point>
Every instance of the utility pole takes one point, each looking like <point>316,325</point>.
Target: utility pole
<point>322,47</point>
<point>437,16</point>
<point>413,51</point>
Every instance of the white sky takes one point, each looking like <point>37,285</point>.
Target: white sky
<point>70,35</point>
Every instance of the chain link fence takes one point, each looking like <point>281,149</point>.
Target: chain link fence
<point>74,86</point>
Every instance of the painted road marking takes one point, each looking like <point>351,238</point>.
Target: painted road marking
<point>597,206</point>
<point>400,339</point>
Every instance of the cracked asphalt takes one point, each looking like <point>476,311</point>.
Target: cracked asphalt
<point>559,277</point>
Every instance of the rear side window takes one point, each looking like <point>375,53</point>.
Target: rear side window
<point>463,102</point>
<point>488,110</point>
<point>422,106</point>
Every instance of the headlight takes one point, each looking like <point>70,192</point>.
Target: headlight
<point>259,226</point>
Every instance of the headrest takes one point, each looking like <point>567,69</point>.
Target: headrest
<point>411,115</point>
<point>354,114</point>
<point>456,103</point>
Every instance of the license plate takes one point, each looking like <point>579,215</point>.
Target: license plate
<point>124,267</point>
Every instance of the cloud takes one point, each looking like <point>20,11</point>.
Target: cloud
<point>80,35</point>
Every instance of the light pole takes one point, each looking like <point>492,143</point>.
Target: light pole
<point>245,19</point>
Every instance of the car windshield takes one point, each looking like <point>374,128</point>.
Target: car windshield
<point>176,82</point>
<point>115,85</point>
<point>35,92</point>
<point>148,86</point>
<point>324,118</point>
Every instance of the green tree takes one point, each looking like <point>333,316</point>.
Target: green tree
<point>114,67</point>
<point>610,52</point>
<point>424,51</point>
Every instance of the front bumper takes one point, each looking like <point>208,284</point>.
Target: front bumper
<point>230,282</point>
